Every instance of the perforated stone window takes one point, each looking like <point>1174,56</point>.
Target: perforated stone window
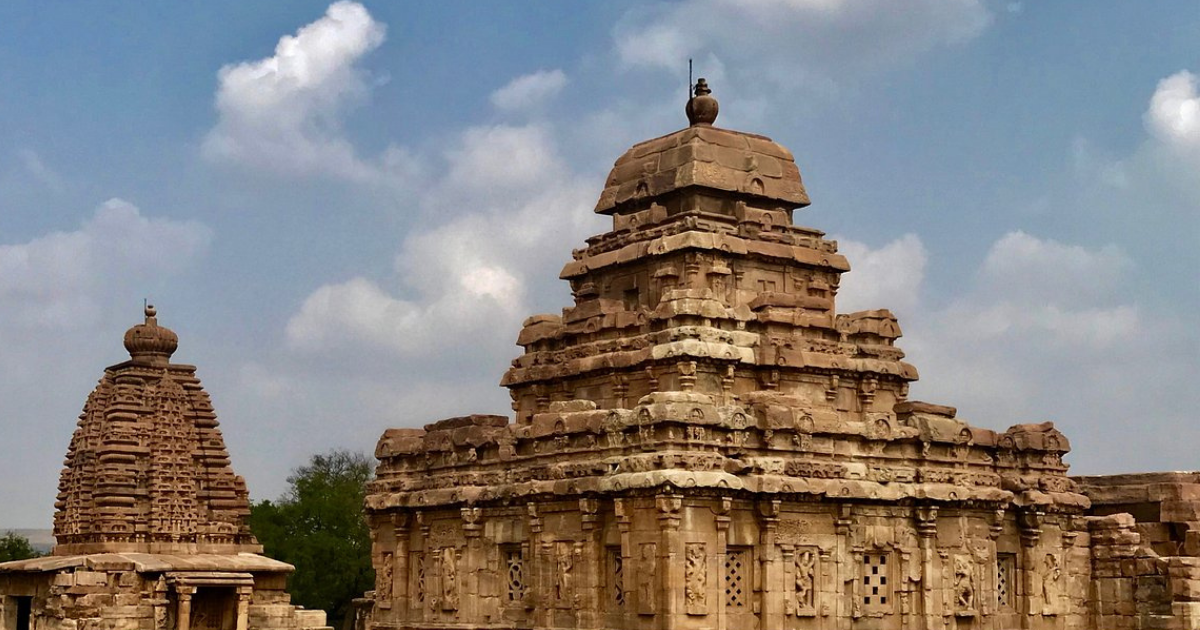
<point>1006,575</point>
<point>616,577</point>
<point>514,565</point>
<point>876,587</point>
<point>737,577</point>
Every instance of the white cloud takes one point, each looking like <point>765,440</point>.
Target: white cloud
<point>1036,271</point>
<point>888,277</point>
<point>810,44</point>
<point>1045,331</point>
<point>529,91</point>
<point>283,113</point>
<point>1040,289</point>
<point>1174,113</point>
<point>469,280</point>
<point>62,296</point>
<point>40,171</point>
<point>60,281</point>
<point>498,161</point>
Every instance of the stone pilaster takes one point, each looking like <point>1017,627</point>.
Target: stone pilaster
<point>670,560</point>
<point>722,510</point>
<point>590,584</point>
<point>926,524</point>
<point>772,570</point>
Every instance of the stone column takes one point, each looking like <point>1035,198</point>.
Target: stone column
<point>845,567</point>
<point>926,516</point>
<point>670,560</point>
<point>624,522</point>
<point>772,574</point>
<point>589,610</point>
<point>426,559</point>
<point>989,587</point>
<point>722,509</point>
<point>787,555</point>
<point>243,607</point>
<point>1030,525</point>
<point>827,579</point>
<point>539,556</point>
<point>400,583</point>
<point>183,611</point>
<point>468,575</point>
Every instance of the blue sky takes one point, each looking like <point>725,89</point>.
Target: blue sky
<point>346,210</point>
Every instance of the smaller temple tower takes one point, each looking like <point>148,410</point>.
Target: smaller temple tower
<point>150,519</point>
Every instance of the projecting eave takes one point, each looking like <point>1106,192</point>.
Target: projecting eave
<point>151,563</point>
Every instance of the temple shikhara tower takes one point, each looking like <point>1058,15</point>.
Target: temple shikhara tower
<point>150,519</point>
<point>701,441</point>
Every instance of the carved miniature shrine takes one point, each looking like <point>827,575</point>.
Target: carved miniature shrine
<point>702,442</point>
<point>150,519</point>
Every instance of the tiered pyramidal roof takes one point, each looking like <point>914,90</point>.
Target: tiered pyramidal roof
<point>147,470</point>
<point>704,349</point>
<point>704,284</point>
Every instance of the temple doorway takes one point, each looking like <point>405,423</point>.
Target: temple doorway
<point>24,612</point>
<point>214,608</point>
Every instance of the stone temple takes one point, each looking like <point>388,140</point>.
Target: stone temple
<point>150,521</point>
<point>702,442</point>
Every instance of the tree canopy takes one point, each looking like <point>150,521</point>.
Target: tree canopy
<point>14,546</point>
<point>318,526</point>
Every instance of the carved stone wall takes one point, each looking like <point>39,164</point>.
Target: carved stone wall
<point>121,593</point>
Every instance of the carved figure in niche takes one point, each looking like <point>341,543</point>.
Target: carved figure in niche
<point>806,569</point>
<point>695,578</point>
<point>647,579</point>
<point>717,282</point>
<point>1051,577</point>
<point>384,587</point>
<point>566,565</point>
<point>449,579</point>
<point>964,584</point>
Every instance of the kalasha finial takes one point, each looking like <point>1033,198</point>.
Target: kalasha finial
<point>702,107</point>
<point>150,342</point>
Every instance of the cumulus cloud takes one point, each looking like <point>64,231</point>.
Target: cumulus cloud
<point>1174,113</point>
<point>1150,195</point>
<point>283,113</point>
<point>62,295</point>
<point>465,281</point>
<point>529,91</point>
<point>1041,289</point>
<point>40,171</point>
<point>60,280</point>
<point>887,277</point>
<point>795,42</point>
<point>1044,330</point>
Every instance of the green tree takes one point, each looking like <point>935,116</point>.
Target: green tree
<point>318,526</point>
<point>14,546</point>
